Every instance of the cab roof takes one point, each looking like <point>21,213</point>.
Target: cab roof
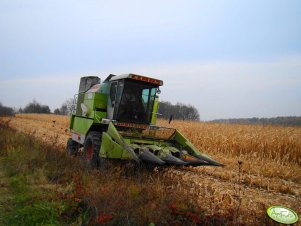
<point>138,78</point>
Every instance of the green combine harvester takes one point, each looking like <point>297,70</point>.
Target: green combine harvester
<point>116,119</point>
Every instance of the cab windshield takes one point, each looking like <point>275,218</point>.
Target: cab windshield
<point>136,102</point>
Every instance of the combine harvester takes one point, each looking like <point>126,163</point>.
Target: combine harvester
<point>116,119</point>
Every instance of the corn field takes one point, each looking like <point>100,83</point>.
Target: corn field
<point>262,162</point>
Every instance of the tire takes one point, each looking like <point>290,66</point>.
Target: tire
<point>72,147</point>
<point>91,149</point>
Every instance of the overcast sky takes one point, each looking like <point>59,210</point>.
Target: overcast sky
<point>228,58</point>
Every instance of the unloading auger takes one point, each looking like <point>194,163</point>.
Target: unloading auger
<point>116,119</point>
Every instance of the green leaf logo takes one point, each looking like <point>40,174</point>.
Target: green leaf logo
<point>282,215</point>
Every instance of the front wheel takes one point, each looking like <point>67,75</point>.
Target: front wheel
<point>91,149</point>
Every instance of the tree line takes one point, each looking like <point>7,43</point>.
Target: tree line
<point>66,108</point>
<point>166,111</point>
<point>36,107</point>
<point>178,111</point>
<point>284,121</point>
<point>6,111</point>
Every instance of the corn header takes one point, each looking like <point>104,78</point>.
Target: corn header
<point>116,119</point>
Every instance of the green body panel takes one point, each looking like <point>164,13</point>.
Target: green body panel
<point>99,115</point>
<point>180,139</point>
<point>140,141</point>
<point>80,124</point>
<point>115,146</point>
<point>155,110</point>
<point>95,102</point>
<point>71,125</point>
<point>112,131</point>
<point>111,149</point>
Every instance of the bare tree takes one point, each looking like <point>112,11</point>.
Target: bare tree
<point>35,107</point>
<point>66,108</point>
<point>178,111</point>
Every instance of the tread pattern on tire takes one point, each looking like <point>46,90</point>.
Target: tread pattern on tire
<point>93,137</point>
